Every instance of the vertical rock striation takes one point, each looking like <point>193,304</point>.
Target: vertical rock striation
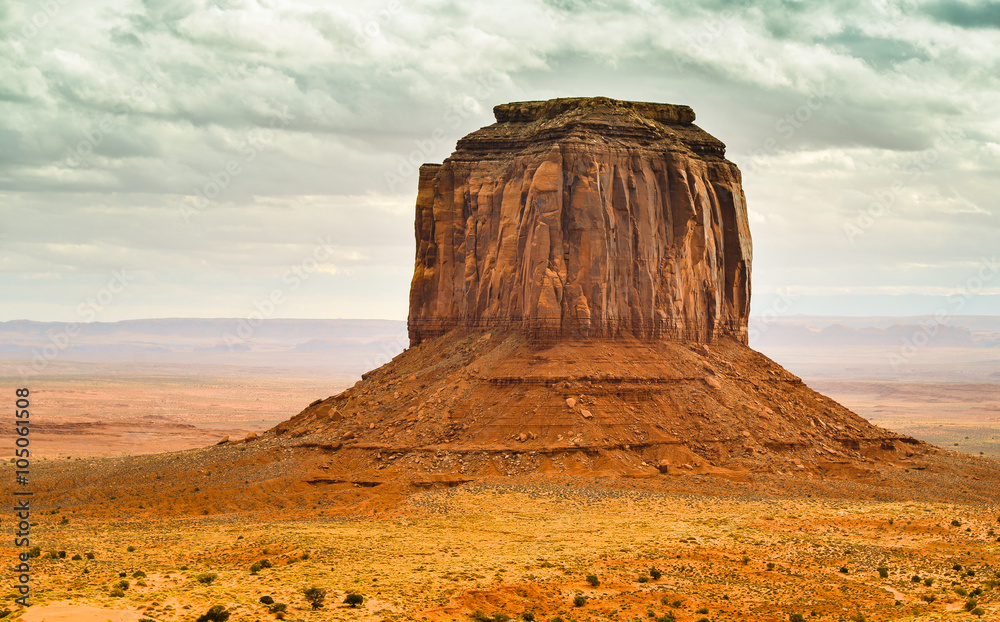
<point>583,217</point>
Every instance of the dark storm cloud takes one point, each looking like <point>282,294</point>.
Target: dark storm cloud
<point>966,14</point>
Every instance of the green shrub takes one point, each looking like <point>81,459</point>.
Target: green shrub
<point>796,617</point>
<point>593,580</point>
<point>314,596</point>
<point>579,600</point>
<point>206,578</point>
<point>527,616</point>
<point>265,563</point>
<point>61,554</point>
<point>267,600</point>
<point>915,579</point>
<point>957,567</point>
<point>89,555</point>
<point>770,565</point>
<point>123,584</point>
<point>35,551</point>
<point>978,612</point>
<point>883,572</point>
<point>667,617</point>
<point>130,548</point>
<point>971,604</point>
<point>642,579</point>
<point>956,523</point>
<point>857,617</point>
<point>354,600</point>
<point>928,581</point>
<point>655,573</point>
<point>278,608</point>
<point>255,568</point>
<point>116,592</point>
<point>702,610</point>
<point>138,574</point>
<point>217,613</point>
<point>844,569</point>
<point>928,598</point>
<point>961,591</point>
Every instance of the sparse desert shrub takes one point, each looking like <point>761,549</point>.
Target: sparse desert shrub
<point>704,620</point>
<point>206,578</point>
<point>844,569</point>
<point>265,563</point>
<point>217,613</point>
<point>977,591</point>
<point>928,598</point>
<point>123,584</point>
<point>61,554</point>
<point>50,555</point>
<point>116,592</point>
<point>957,567</point>
<point>915,579</point>
<point>77,557</point>
<point>642,579</point>
<point>961,591</point>
<point>279,608</point>
<point>667,617</point>
<point>655,573</point>
<point>857,617</point>
<point>354,600</point>
<point>89,555</point>
<point>527,616</point>
<point>138,574</point>
<point>746,560</point>
<point>255,568</point>
<point>267,600</point>
<point>4,613</point>
<point>883,572</point>
<point>702,610</point>
<point>928,581</point>
<point>956,523</point>
<point>184,567</point>
<point>770,565</point>
<point>122,574</point>
<point>130,548</point>
<point>593,580</point>
<point>970,573</point>
<point>978,612</point>
<point>796,617</point>
<point>315,596</point>
<point>35,551</point>
<point>971,604</point>
<point>579,600</point>
<point>146,620</point>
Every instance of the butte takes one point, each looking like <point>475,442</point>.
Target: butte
<point>579,305</point>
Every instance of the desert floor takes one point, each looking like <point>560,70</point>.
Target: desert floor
<point>523,549</point>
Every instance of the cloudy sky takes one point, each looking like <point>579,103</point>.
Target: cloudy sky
<point>187,158</point>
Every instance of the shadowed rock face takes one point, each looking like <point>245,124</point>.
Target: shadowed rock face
<point>583,217</point>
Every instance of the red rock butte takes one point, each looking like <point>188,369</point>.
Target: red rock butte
<point>583,217</point>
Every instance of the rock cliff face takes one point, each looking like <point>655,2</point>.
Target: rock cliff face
<point>583,217</point>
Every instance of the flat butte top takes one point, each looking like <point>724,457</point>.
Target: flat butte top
<point>535,125</point>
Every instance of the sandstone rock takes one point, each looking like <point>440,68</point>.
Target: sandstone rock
<point>713,382</point>
<point>224,440</point>
<point>522,437</point>
<point>583,217</point>
<point>586,414</point>
<point>347,436</point>
<point>250,436</point>
<point>571,401</point>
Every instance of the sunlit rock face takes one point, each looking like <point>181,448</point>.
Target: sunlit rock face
<point>583,217</point>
